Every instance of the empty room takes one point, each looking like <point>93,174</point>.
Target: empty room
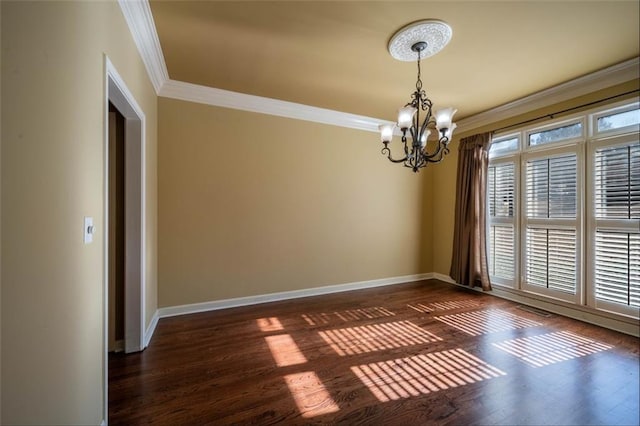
<point>319,212</point>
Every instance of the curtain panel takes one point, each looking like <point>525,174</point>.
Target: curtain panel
<point>469,258</point>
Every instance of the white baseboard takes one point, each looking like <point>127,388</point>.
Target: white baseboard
<point>580,313</point>
<point>444,278</point>
<point>151,328</point>
<point>285,295</point>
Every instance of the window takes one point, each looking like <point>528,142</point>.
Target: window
<point>616,223</point>
<point>564,209</point>
<point>551,240</point>
<point>625,119</point>
<point>555,134</point>
<point>503,146</point>
<point>502,200</point>
<point>501,183</point>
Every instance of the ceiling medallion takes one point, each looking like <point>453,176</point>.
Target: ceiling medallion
<point>412,43</point>
<point>436,34</point>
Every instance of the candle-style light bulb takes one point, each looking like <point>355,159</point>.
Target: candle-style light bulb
<point>405,117</point>
<point>386,132</point>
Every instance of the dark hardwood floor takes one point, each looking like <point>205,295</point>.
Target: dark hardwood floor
<point>418,353</point>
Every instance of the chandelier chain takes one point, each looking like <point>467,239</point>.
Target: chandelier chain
<point>419,81</point>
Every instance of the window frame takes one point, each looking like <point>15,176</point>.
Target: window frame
<point>586,224</point>
<point>617,108</point>
<point>562,149</point>
<point>593,223</point>
<point>511,158</point>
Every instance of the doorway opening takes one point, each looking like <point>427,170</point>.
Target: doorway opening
<point>124,250</point>
<point>133,215</point>
<point>116,227</point>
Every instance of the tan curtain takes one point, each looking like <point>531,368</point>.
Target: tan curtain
<point>469,258</point>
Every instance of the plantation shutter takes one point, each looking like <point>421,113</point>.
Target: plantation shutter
<point>551,231</point>
<point>501,199</point>
<point>617,211</point>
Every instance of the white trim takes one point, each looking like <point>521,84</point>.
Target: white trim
<point>594,223</point>
<point>443,277</point>
<point>542,152</point>
<point>143,30</point>
<point>607,77</point>
<point>193,308</point>
<point>148,334</point>
<point>135,191</point>
<point>626,327</point>
<point>117,92</point>
<point>105,245</point>
<point>580,314</point>
<point>224,98</point>
<point>139,18</point>
<point>513,295</point>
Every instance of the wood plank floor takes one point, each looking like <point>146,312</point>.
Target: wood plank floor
<point>417,353</point>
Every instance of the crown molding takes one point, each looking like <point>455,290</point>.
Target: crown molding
<point>607,77</point>
<point>139,18</point>
<point>227,99</point>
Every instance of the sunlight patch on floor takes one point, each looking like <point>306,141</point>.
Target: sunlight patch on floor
<point>550,348</point>
<point>310,395</point>
<point>347,315</point>
<point>425,308</point>
<point>269,324</point>
<point>476,323</point>
<point>376,337</point>
<point>284,350</point>
<point>423,374</point>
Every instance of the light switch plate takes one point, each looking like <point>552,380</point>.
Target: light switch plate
<point>88,229</point>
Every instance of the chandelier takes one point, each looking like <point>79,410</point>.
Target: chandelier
<point>417,120</point>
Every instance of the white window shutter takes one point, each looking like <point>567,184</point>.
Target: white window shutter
<point>551,198</point>
<point>617,237</point>
<point>501,206</point>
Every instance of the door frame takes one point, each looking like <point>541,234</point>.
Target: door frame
<point>117,92</point>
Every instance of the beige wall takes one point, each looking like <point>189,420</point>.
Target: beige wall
<point>445,176</point>
<point>252,204</point>
<point>248,204</point>
<point>52,175</point>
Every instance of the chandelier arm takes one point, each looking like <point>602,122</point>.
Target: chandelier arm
<point>386,151</point>
<point>430,156</point>
<point>433,157</point>
<point>439,154</point>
